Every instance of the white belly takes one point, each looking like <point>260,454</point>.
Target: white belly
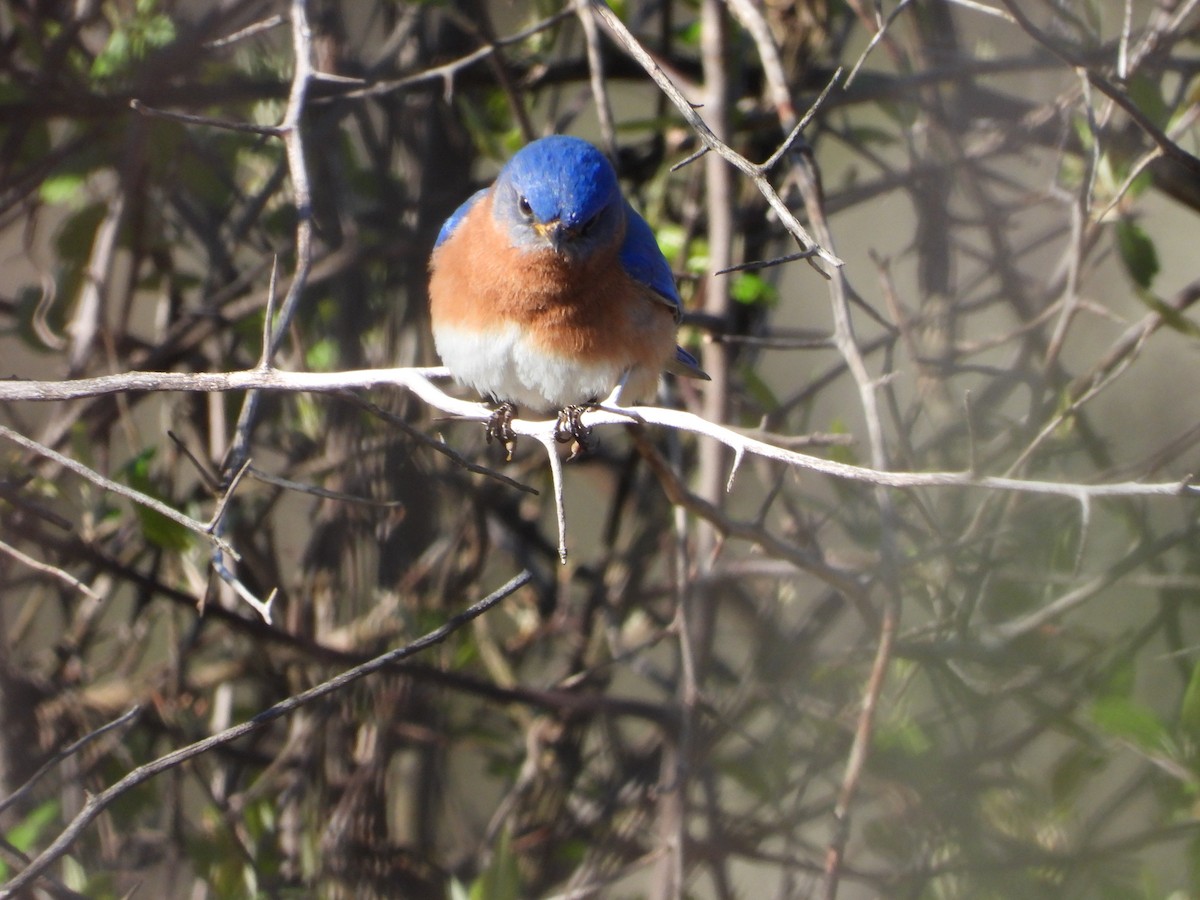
<point>502,365</point>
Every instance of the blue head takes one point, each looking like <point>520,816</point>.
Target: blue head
<point>560,193</point>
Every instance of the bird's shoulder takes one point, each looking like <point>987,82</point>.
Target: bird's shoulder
<point>644,262</point>
<point>450,226</point>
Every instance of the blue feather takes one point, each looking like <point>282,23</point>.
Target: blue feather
<point>644,262</point>
<point>458,215</point>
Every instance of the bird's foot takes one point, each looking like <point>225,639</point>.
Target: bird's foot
<point>570,428</point>
<point>499,427</point>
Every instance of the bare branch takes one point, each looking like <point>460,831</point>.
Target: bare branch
<point>617,28</point>
<point>419,380</point>
<point>859,751</point>
<point>205,121</point>
<point>66,753</point>
<point>46,569</point>
<point>119,489</point>
<point>446,72</point>
<point>293,142</point>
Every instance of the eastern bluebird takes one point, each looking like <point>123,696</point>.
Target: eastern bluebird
<point>548,290</point>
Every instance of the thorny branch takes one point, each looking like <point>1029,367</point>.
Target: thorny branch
<point>420,381</point>
<point>756,174</point>
<point>293,142</point>
<point>205,530</point>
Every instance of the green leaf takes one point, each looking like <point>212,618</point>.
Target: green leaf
<point>697,258</point>
<point>903,736</point>
<point>501,880</point>
<point>1189,708</point>
<point>841,452</point>
<point>63,188</point>
<point>689,34</point>
<point>1147,97</point>
<point>1119,680</point>
<point>157,528</point>
<point>321,356</point>
<point>132,38</point>
<point>114,57</point>
<point>24,835</point>
<point>670,240</point>
<point>1137,252</point>
<point>1172,317</point>
<point>1128,720</point>
<point>749,288</point>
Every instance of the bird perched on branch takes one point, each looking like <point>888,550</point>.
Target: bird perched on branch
<point>548,290</point>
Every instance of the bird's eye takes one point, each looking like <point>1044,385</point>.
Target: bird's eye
<point>524,207</point>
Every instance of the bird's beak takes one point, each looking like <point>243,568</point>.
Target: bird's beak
<point>554,233</point>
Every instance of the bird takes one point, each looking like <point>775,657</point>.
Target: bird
<point>548,291</point>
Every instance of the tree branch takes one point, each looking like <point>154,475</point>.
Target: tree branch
<point>420,380</point>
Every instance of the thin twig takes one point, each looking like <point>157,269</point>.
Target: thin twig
<point>264,361</point>
<point>1185,122</point>
<point>70,750</point>
<point>1123,42</point>
<point>447,71</point>
<point>549,440</point>
<point>799,557</point>
<point>119,489</point>
<point>436,444</point>
<point>798,128</point>
<point>859,751</point>
<point>243,33</point>
<point>750,15</point>
<point>878,36</point>
<point>622,34</point>
<point>591,38</point>
<point>984,8</point>
<point>756,264</point>
<point>998,635</point>
<point>206,121</point>
<point>218,516</point>
<point>85,323</point>
<point>46,569</point>
<point>317,491</point>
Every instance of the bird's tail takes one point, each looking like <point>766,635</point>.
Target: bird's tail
<point>687,365</point>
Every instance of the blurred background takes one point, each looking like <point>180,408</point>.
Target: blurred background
<point>799,687</point>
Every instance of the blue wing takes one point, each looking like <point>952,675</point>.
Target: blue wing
<point>458,215</point>
<point>644,262</point>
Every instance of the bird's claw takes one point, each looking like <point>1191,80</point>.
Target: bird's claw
<point>570,428</point>
<point>499,427</point>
